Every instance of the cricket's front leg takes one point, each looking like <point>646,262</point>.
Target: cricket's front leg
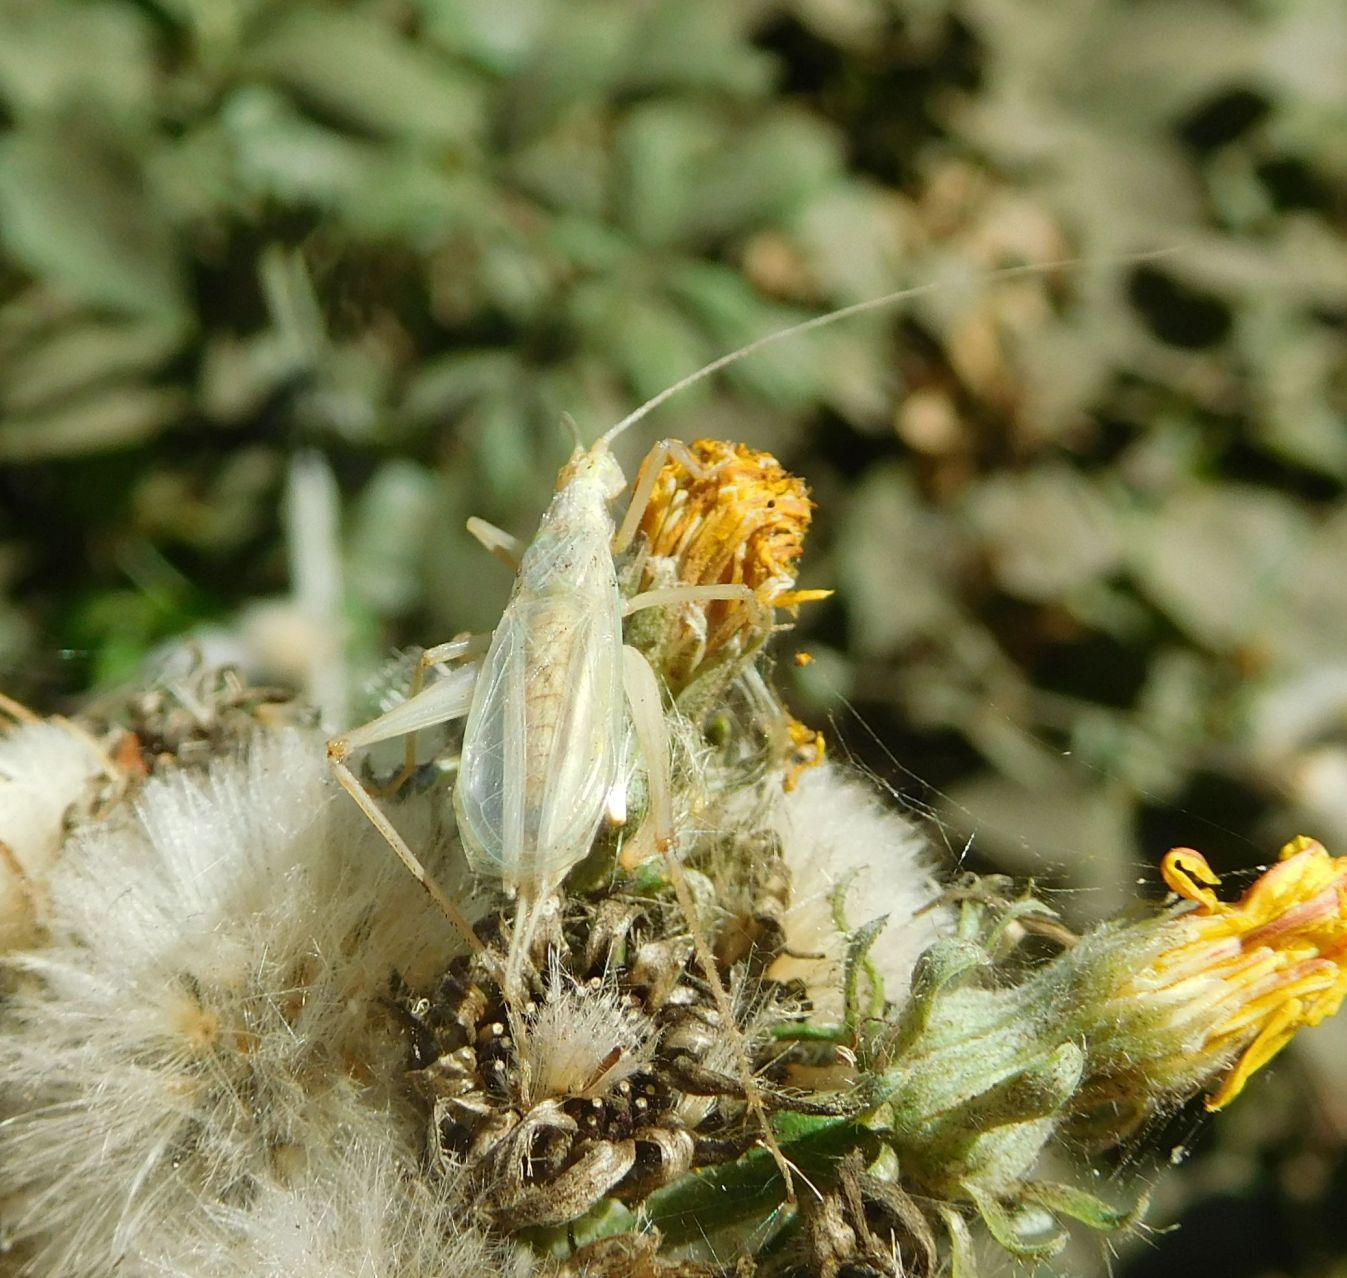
<point>671,596</point>
<point>440,654</point>
<point>505,546</point>
<point>646,478</point>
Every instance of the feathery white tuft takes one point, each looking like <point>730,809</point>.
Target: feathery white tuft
<point>363,1215</point>
<point>836,833</point>
<point>210,1008</point>
<point>583,1040</point>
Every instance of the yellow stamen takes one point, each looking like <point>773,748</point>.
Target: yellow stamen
<point>729,515</point>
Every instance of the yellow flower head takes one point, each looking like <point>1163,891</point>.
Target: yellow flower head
<point>1279,952</point>
<point>740,519</point>
<point>723,515</point>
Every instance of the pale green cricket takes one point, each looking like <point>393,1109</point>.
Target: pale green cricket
<point>552,698</point>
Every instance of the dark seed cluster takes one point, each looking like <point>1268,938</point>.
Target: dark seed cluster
<point>546,1159</point>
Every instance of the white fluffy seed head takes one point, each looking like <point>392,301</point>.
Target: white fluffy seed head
<point>835,836</point>
<point>582,1040</point>
<point>44,769</point>
<point>208,1017</point>
<point>366,1214</point>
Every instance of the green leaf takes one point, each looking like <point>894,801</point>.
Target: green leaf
<point>1300,362</point>
<point>379,190</point>
<point>1216,558</point>
<point>1067,1200</point>
<point>387,538</point>
<point>697,45</point>
<point>579,57</point>
<point>650,342</point>
<point>850,234</point>
<point>54,56</point>
<point>690,176</point>
<point>79,355</point>
<point>496,34</point>
<point>108,418</point>
<point>762,172</point>
<point>443,387</point>
<point>281,155</point>
<point>1047,531</point>
<point>76,210</point>
<point>660,148</point>
<point>858,961</point>
<point>568,168</point>
<point>894,560</point>
<point>1312,625</point>
<point>786,374</point>
<point>1025,1232</point>
<point>963,1256</point>
<point>1037,1091</point>
<point>358,67</point>
<point>705,1201</point>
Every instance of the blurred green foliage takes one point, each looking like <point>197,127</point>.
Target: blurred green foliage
<point>1087,523</point>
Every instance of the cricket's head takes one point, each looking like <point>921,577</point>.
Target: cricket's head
<point>595,465</point>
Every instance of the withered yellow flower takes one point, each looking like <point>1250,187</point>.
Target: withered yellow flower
<point>1280,951</point>
<point>734,516</point>
<point>741,521</point>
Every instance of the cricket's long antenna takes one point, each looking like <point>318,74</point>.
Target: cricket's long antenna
<point>857,308</point>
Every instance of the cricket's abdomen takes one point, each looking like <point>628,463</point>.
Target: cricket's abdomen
<point>543,745</point>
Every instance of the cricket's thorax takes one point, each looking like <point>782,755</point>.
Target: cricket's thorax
<point>543,748</point>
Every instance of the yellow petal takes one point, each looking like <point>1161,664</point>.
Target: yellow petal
<point>1280,951</point>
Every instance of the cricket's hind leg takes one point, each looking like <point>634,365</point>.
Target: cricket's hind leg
<point>445,700</point>
<point>647,714</point>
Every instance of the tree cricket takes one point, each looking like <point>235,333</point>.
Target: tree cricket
<point>553,698</point>
<point>547,709</point>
